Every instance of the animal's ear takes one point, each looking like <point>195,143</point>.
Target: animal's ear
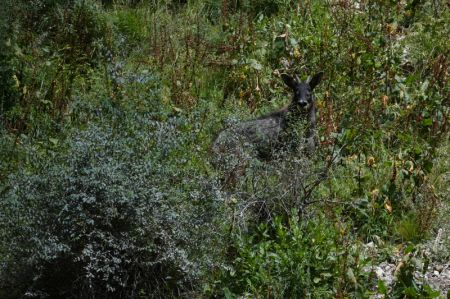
<point>289,81</point>
<point>315,80</point>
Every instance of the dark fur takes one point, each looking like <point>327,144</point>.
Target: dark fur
<point>261,136</point>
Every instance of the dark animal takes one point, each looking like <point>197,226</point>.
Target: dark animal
<point>260,137</point>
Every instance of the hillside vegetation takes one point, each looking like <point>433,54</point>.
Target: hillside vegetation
<point>108,113</point>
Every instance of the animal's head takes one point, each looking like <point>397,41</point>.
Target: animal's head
<point>303,91</point>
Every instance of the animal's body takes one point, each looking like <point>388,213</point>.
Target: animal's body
<point>259,138</point>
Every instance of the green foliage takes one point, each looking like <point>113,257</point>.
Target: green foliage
<point>295,260</point>
<point>405,283</point>
<point>130,24</point>
<point>108,110</point>
<point>58,41</point>
<point>102,219</point>
<point>409,228</point>
<point>9,63</point>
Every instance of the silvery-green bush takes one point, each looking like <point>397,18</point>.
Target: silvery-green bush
<point>107,217</point>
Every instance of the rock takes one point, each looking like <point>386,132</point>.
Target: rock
<point>379,272</point>
<point>439,268</point>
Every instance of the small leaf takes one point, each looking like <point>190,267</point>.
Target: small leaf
<point>228,294</point>
<point>388,205</point>
<point>54,141</point>
<point>176,109</point>
<point>293,42</point>
<point>428,166</point>
<point>370,161</point>
<point>432,293</point>
<point>382,287</point>
<point>351,276</point>
<point>427,122</point>
<point>16,81</point>
<point>255,64</point>
<point>409,249</point>
<point>424,86</point>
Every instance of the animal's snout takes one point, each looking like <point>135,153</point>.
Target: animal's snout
<point>303,104</point>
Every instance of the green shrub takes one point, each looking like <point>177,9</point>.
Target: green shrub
<point>107,217</point>
<point>10,74</point>
<point>47,45</point>
<point>405,282</point>
<point>296,260</point>
<point>132,26</point>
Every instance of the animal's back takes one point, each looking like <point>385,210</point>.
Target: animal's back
<point>258,135</point>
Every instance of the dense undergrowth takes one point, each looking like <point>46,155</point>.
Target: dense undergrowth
<point>108,111</point>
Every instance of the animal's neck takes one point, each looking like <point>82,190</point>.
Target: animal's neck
<point>311,121</point>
